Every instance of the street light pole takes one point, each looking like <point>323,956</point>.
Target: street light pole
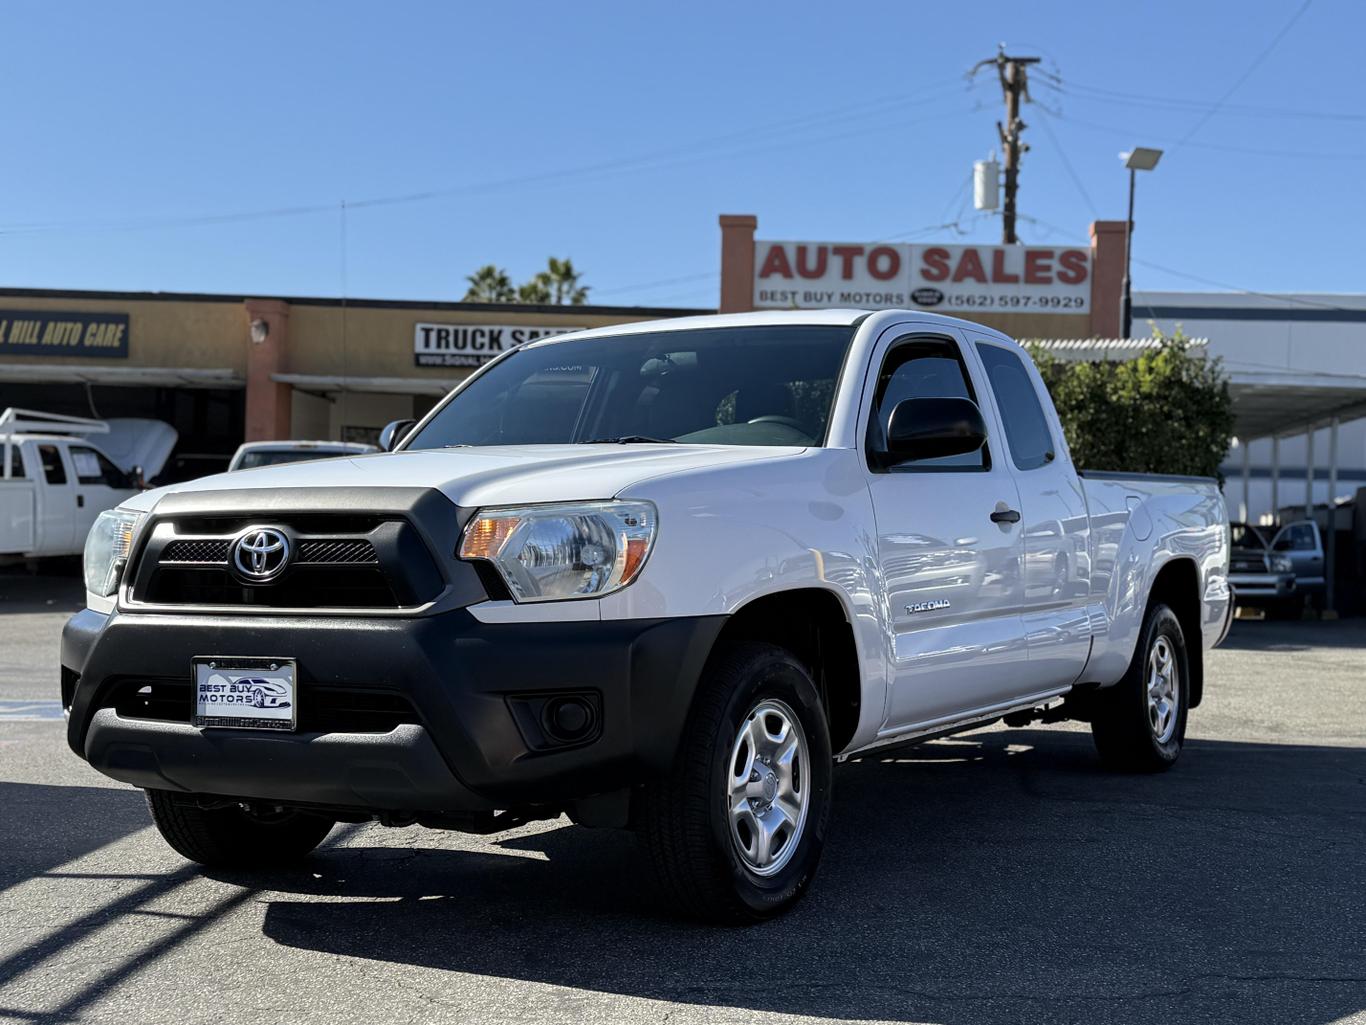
<point>1139,158</point>
<point>1126,305</point>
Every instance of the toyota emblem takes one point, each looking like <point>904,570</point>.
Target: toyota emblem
<point>260,554</point>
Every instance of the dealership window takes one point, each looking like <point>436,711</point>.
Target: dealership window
<point>53,470</point>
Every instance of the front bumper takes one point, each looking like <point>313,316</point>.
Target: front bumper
<point>474,690</point>
<point>1261,585</point>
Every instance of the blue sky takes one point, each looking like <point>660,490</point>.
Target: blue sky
<point>614,133</point>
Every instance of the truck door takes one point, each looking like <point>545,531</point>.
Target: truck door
<point>18,513</point>
<point>1057,566</point>
<point>1302,543</point>
<point>949,545</point>
<point>56,501</point>
<point>100,485</point>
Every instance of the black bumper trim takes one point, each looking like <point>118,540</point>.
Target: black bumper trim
<point>396,771</point>
<point>460,675</point>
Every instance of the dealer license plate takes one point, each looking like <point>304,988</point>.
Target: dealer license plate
<point>245,693</point>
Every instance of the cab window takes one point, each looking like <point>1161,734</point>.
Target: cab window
<point>16,463</point>
<point>94,467</point>
<point>54,472</point>
<point>1022,415</point>
<point>922,368</point>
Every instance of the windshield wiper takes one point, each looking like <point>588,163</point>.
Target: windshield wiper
<point>632,439</point>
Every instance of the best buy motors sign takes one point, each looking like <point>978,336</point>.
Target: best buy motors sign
<point>946,278</point>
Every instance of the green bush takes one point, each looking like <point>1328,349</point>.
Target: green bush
<point>1167,411</point>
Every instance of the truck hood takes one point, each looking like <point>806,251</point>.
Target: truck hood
<point>496,475</point>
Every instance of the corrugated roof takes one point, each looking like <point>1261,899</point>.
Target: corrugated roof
<point>1104,348</point>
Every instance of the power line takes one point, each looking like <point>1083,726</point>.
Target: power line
<point>684,154</point>
<point>1246,150</point>
<point>1071,171</point>
<point>1295,300</point>
<point>657,284</point>
<point>1095,94</point>
<point>1256,63</point>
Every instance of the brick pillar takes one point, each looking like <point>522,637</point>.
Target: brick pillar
<point>268,402</point>
<point>1107,278</point>
<point>737,262</point>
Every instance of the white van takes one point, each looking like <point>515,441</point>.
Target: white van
<point>54,481</point>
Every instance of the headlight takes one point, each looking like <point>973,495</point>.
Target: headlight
<point>553,552</point>
<point>1281,564</point>
<point>106,550</point>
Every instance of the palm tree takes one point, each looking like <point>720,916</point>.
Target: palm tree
<point>563,282</point>
<point>535,292</point>
<point>489,284</point>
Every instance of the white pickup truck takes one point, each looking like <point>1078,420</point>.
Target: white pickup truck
<point>662,575</point>
<point>55,480</point>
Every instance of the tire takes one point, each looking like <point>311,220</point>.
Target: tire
<point>231,837</point>
<point>1132,733</point>
<point>711,864</point>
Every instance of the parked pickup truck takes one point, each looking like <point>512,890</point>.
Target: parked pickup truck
<point>55,480</point>
<point>662,575</point>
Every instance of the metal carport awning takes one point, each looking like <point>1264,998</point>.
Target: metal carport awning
<point>1270,403</point>
<point>1275,403</point>
<point>129,377</point>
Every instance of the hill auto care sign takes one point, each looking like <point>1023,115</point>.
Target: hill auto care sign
<point>948,279</point>
<point>471,345</point>
<point>44,333</point>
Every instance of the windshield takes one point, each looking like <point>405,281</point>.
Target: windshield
<point>1246,536</point>
<point>730,386</point>
<point>275,456</point>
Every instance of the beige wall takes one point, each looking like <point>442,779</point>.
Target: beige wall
<point>181,333</point>
<point>370,342</point>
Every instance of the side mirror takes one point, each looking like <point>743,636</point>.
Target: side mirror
<point>394,433</point>
<point>934,428</point>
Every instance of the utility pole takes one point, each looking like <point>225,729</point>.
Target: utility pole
<point>1014,86</point>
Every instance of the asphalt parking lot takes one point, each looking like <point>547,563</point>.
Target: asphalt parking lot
<point>998,877</point>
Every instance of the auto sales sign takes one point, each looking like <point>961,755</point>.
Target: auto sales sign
<point>947,278</point>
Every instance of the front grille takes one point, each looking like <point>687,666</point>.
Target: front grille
<point>321,709</point>
<point>301,587</point>
<point>337,553</point>
<point>383,564</point>
<point>328,552</point>
<point>196,551</point>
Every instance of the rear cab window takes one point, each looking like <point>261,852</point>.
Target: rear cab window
<point>1026,425</point>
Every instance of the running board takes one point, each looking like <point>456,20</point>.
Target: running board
<point>942,728</point>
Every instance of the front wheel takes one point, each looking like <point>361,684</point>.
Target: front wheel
<point>231,837</point>
<point>735,831</point>
<point>1139,724</point>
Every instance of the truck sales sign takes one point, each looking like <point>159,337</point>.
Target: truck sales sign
<point>43,333</point>
<point>947,278</point>
<point>470,345</point>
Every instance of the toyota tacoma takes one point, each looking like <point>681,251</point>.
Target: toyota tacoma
<point>661,575</point>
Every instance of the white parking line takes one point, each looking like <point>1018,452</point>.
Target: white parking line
<point>19,710</point>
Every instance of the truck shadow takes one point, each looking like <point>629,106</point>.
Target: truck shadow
<point>1001,877</point>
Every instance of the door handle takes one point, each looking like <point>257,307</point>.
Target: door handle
<point>80,501</point>
<point>1005,516</point>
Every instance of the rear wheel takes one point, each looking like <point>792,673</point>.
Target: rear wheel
<point>232,837</point>
<point>735,831</point>
<point>1139,724</point>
